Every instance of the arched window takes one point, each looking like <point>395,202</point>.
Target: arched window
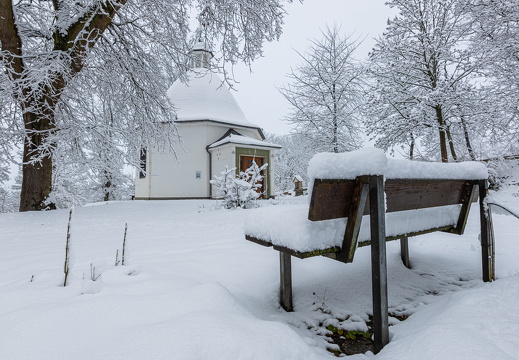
<point>142,163</point>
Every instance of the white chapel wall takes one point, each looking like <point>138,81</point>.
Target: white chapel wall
<point>222,156</point>
<point>187,175</point>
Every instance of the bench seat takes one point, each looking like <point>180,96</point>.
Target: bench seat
<point>290,231</point>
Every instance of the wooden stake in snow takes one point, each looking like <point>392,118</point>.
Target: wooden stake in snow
<point>66,268</point>
<point>124,243</point>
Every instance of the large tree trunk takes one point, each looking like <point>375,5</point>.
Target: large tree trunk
<point>38,113</point>
<point>36,185</point>
<point>37,176</point>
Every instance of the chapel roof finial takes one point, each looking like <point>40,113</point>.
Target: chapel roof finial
<point>201,55</point>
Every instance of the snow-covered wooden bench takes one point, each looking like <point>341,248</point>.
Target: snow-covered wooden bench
<point>402,199</point>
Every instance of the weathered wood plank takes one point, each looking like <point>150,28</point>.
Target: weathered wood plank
<point>308,254</point>
<point>446,228</point>
<point>298,254</point>
<point>332,252</point>
<point>258,241</point>
<point>332,199</point>
<point>410,194</point>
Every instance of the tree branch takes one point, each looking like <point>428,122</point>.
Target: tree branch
<point>11,42</point>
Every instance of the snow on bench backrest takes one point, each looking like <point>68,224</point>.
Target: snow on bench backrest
<point>409,184</point>
<point>372,161</point>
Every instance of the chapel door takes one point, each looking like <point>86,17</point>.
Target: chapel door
<point>246,162</point>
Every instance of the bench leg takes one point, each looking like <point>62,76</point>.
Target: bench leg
<point>378,262</point>
<point>285,287</point>
<point>404,251</point>
<point>487,234</point>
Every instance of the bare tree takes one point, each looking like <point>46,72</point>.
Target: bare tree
<point>325,92</point>
<point>496,43</point>
<point>422,70</point>
<point>53,53</point>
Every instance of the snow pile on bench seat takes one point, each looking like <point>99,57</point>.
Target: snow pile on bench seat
<point>288,226</point>
<point>348,165</point>
<point>372,161</point>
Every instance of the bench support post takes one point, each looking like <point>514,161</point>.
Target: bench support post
<point>487,234</point>
<point>351,234</point>
<point>285,287</point>
<point>469,197</point>
<point>404,251</point>
<point>378,262</point>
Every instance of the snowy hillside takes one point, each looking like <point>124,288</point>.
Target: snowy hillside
<point>193,288</point>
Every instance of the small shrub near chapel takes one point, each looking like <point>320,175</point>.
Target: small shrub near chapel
<point>239,190</point>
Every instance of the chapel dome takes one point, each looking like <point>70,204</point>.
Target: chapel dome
<point>205,97</point>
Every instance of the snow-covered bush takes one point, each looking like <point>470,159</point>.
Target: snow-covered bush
<point>10,193</point>
<point>503,172</point>
<point>239,190</point>
<point>223,183</point>
<point>9,199</point>
<point>81,177</point>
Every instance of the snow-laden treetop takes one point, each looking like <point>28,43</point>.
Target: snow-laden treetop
<point>206,97</point>
<point>372,161</point>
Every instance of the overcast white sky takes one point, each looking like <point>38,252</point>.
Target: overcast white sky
<point>257,94</point>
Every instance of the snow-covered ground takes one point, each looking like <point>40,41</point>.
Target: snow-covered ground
<point>194,288</point>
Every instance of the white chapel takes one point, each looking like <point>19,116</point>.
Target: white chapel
<point>214,133</point>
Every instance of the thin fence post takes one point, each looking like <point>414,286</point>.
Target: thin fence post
<point>124,244</point>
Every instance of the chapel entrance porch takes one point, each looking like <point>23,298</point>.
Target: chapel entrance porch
<point>246,162</point>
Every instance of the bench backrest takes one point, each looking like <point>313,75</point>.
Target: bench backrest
<point>332,198</point>
<point>336,198</point>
